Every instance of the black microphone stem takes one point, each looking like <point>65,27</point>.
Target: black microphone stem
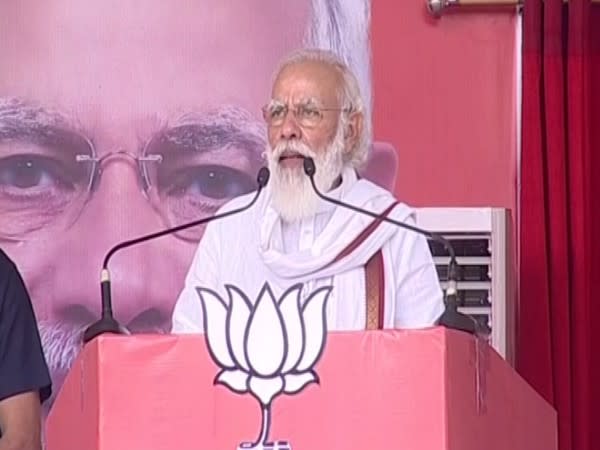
<point>185,226</point>
<point>107,322</point>
<point>451,317</point>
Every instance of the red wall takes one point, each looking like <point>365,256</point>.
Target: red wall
<point>444,96</point>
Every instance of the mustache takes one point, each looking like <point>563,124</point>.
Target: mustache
<point>62,343</point>
<point>291,147</point>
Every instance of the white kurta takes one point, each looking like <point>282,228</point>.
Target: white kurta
<point>255,247</point>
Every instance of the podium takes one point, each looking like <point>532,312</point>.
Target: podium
<point>430,389</point>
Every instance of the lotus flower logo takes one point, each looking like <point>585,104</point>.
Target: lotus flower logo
<point>265,348</point>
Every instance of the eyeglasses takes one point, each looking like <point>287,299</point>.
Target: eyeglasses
<point>44,186</point>
<point>306,114</point>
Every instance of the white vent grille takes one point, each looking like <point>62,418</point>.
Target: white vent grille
<point>481,240</point>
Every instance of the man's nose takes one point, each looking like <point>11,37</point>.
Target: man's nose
<point>290,129</point>
<point>145,278</point>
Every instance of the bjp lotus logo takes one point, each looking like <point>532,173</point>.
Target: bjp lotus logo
<point>266,348</point>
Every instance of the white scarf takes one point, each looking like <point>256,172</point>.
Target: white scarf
<point>318,266</point>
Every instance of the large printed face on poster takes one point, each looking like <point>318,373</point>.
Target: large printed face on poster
<point>119,118</point>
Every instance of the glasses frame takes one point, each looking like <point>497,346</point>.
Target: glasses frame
<point>296,110</point>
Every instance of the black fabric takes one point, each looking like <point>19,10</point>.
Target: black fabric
<point>23,367</point>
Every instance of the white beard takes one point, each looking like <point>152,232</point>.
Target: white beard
<point>291,189</point>
<point>62,343</point>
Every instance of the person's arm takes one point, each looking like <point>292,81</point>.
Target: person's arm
<point>187,314</point>
<point>20,422</point>
<point>419,297</point>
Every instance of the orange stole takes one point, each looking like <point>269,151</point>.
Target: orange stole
<point>374,275</point>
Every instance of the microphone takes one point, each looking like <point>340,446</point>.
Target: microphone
<point>451,317</point>
<point>107,323</point>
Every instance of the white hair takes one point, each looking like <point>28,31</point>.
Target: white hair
<point>349,96</point>
<point>342,27</point>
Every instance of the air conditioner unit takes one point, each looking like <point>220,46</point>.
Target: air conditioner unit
<point>482,240</point>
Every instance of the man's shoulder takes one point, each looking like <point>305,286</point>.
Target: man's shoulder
<point>13,293</point>
<point>22,366</point>
<point>6,264</point>
<point>378,199</point>
<point>8,271</point>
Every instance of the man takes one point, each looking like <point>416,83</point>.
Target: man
<point>117,120</point>
<point>290,236</point>
<point>24,378</point>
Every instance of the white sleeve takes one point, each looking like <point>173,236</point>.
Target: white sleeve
<point>187,314</point>
<point>419,297</point>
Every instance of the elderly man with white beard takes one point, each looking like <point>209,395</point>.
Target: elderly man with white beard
<point>291,236</point>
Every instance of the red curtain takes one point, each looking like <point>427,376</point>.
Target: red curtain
<point>557,346</point>
<point>595,200</point>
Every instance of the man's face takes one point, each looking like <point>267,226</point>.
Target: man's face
<point>305,119</point>
<point>298,90</point>
<point>119,118</point>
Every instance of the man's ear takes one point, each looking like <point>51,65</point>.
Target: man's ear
<point>353,130</point>
<point>382,165</point>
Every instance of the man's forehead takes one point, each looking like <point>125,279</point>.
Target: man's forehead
<point>128,56</point>
<point>307,81</point>
<point>157,16</point>
<point>154,32</point>
<point>21,114</point>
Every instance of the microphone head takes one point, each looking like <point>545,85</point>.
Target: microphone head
<point>263,177</point>
<point>309,166</point>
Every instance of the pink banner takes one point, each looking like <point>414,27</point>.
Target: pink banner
<point>119,118</point>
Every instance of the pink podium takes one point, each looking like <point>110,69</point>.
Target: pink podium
<point>431,389</point>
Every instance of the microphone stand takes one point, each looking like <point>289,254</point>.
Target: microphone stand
<point>107,323</point>
<point>451,317</point>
